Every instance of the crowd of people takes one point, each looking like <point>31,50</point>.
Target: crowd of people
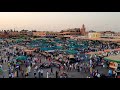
<point>57,64</point>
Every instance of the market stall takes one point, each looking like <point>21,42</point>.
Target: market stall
<point>21,59</point>
<point>29,51</point>
<point>113,58</point>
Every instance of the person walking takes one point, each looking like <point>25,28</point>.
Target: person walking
<point>34,73</point>
<point>10,75</point>
<point>2,61</point>
<point>78,68</point>
<point>75,65</point>
<point>56,74</point>
<point>22,73</point>
<point>64,66</point>
<point>17,73</point>
<point>70,67</point>
<point>51,70</point>
<point>47,74</point>
<point>113,73</point>
<point>41,72</point>
<point>29,69</point>
<point>91,63</point>
<point>36,67</point>
<point>110,73</point>
<point>40,60</point>
<point>59,67</point>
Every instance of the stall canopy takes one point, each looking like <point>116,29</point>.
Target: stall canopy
<point>19,40</point>
<point>112,60</point>
<point>21,58</point>
<point>46,49</point>
<point>71,51</point>
<point>29,50</point>
<point>59,47</point>
<point>18,63</point>
<point>50,51</point>
<point>71,56</point>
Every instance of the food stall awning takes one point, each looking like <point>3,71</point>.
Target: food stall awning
<point>21,58</point>
<point>28,50</point>
<point>71,56</point>
<point>71,51</point>
<point>112,59</point>
<point>50,51</point>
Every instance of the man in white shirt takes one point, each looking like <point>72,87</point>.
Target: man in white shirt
<point>12,75</point>
<point>98,75</point>
<point>65,65</point>
<point>29,69</point>
<point>0,66</point>
<point>36,67</point>
<point>47,74</point>
<point>76,65</point>
<point>90,63</point>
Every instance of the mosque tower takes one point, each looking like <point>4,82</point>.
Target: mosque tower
<point>83,30</point>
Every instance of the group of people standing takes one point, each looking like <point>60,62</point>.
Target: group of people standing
<point>32,66</point>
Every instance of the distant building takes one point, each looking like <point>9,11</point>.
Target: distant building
<point>4,34</point>
<point>24,32</point>
<point>94,35</point>
<point>116,35</point>
<point>30,33</point>
<point>38,33</point>
<point>74,31</point>
<point>52,34</point>
<point>107,34</point>
<point>45,33</point>
<point>92,31</point>
<point>13,33</point>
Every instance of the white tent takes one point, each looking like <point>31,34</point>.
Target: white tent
<point>71,56</point>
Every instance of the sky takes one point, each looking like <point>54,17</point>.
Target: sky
<point>57,21</point>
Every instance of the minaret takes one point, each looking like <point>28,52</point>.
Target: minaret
<point>82,30</point>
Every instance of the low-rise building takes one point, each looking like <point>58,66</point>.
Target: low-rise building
<point>75,31</point>
<point>38,33</point>
<point>107,34</point>
<point>30,33</point>
<point>94,35</point>
<point>14,34</point>
<point>4,34</point>
<point>24,32</point>
<point>51,33</point>
<point>117,35</point>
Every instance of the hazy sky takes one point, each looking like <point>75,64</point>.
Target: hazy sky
<point>56,21</point>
